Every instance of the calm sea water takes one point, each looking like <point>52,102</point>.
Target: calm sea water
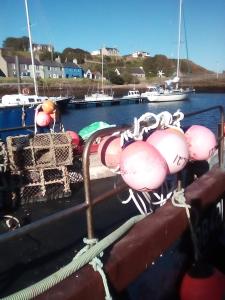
<point>75,119</point>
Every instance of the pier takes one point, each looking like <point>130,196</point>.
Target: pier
<point>118,101</point>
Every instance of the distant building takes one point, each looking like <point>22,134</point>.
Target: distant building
<point>140,54</point>
<point>106,52</point>
<point>52,69</point>
<point>95,52</point>
<point>110,51</point>
<point>43,69</point>
<point>72,70</point>
<point>43,47</point>
<point>92,75</point>
<point>135,72</point>
<point>10,69</point>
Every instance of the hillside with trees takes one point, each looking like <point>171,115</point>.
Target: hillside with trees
<point>150,65</point>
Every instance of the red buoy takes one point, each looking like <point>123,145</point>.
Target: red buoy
<point>207,286</point>
<point>75,137</point>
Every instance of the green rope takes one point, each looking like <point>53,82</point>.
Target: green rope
<point>50,281</point>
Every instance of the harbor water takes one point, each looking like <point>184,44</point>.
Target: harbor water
<point>75,119</point>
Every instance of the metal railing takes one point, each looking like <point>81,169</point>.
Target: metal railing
<point>90,202</point>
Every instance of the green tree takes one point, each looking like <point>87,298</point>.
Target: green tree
<point>45,55</point>
<point>69,54</point>
<point>114,78</point>
<point>20,44</point>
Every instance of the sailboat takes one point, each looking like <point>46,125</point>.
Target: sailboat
<point>99,95</point>
<point>171,91</point>
<point>25,98</point>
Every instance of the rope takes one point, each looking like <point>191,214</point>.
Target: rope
<point>98,267</point>
<point>179,200</point>
<point>96,264</point>
<point>11,222</point>
<point>23,116</point>
<point>162,121</point>
<point>50,281</point>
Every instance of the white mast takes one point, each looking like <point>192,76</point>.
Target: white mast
<point>31,49</point>
<point>179,40</point>
<point>102,70</point>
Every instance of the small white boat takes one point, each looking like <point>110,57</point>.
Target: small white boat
<point>21,100</point>
<point>157,94</point>
<point>132,94</point>
<point>98,96</point>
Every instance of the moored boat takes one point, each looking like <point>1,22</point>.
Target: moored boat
<point>157,94</point>
<point>23,100</point>
<point>132,94</point>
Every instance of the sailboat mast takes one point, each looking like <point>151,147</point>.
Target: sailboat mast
<point>31,49</point>
<point>179,40</point>
<point>102,70</point>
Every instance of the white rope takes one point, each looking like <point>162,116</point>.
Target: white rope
<point>89,243</point>
<point>9,222</point>
<point>162,121</point>
<point>178,199</point>
<point>35,117</point>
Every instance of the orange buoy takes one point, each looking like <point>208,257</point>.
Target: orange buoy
<point>109,151</point>
<point>48,106</point>
<point>205,284</point>
<point>43,119</point>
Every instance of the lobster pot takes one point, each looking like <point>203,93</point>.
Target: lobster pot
<point>75,173</point>
<point>40,151</point>
<point>3,157</point>
<point>43,184</point>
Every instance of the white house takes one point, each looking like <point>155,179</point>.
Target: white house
<point>106,51</point>
<point>140,54</point>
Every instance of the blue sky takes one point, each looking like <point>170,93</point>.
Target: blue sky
<point>147,25</point>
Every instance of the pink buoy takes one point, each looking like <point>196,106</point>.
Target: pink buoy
<point>201,142</point>
<point>43,119</point>
<point>142,167</point>
<point>74,136</point>
<point>109,151</point>
<point>172,145</point>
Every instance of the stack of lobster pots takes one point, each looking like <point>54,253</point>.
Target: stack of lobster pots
<point>41,165</point>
